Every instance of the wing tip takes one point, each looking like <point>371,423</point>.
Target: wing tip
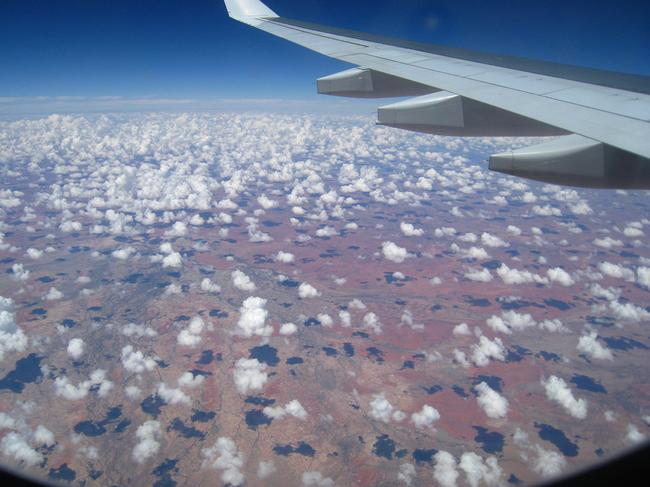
<point>242,9</point>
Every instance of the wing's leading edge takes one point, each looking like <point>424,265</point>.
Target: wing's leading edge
<point>603,118</point>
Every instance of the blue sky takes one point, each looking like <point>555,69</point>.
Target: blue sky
<point>192,50</point>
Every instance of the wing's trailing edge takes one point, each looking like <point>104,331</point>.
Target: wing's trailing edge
<point>603,117</point>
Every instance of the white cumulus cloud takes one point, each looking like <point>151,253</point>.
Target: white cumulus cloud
<point>252,319</point>
<point>242,282</point>
<point>225,457</point>
<point>249,375</point>
<point>394,252</point>
<point>558,391</point>
<point>493,404</point>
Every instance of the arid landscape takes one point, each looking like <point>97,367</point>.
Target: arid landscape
<point>206,299</point>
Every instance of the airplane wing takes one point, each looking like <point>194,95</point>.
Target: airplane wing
<point>602,118</point>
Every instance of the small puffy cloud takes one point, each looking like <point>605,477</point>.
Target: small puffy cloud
<point>76,348</point>
<point>444,232</point>
<point>589,345</point>
<point>546,210</point>
<point>346,318</point>
<point>493,404</point>
<point>242,282</point>
<point>607,242</point>
<point>288,329</point>
<point>124,253</point>
<point>292,408</point>
<point>426,417</point>
<point>394,252</point>
<point>173,259</point>
<point>476,275</point>
<point>148,435</point>
<point>461,357</point>
<point>325,319</point>
<point>135,361</point>
<point>314,478</point>
<point>529,197</point>
<point>178,229</point>
<point>478,253</point>
<point>68,227</point>
<point>382,410</point>
<point>445,471</point>
<point>407,319</point>
<point>172,395</point>
<point>209,287</point>
<point>560,276</point>
<point>7,422</point>
<point>34,254</point>
<point>548,463</point>
<point>617,271</point>
<point>265,469</point>
<point>371,321</point>
<point>226,204</point>
<point>173,289</point>
<point>643,277</point>
<point>580,208</point>
<point>252,319</point>
<point>133,392</point>
<point>266,202</point>
<point>510,321</point>
<point>468,237</point>
<point>307,291</point>
<point>461,330</point>
<point>629,312</point>
<point>189,380</point>
<point>326,232</point>
<point>64,388</point>
<point>610,416</point>
<point>12,337</point>
<point>191,336</point>
<point>515,276</point>
<point>554,326</point>
<point>406,473</point>
<point>490,240</point>
<point>410,231</point>
<point>514,230</point>
<point>486,349</point>
<point>53,295</point>
<point>558,391</point>
<point>19,272</point>
<point>249,375</point>
<point>295,409</point>
<point>43,436</point>
<point>255,235</point>
<point>633,232</point>
<point>197,220</point>
<point>478,471</point>
<point>133,329</point>
<point>14,445</point>
<point>284,257</point>
<point>225,457</point>
<point>610,293</point>
<point>633,435</point>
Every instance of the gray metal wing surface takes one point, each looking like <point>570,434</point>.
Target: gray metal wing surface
<point>601,118</point>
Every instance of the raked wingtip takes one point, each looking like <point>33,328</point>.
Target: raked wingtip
<point>242,9</point>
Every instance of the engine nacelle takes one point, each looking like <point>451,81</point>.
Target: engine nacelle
<point>576,161</point>
<point>366,83</point>
<point>445,113</point>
